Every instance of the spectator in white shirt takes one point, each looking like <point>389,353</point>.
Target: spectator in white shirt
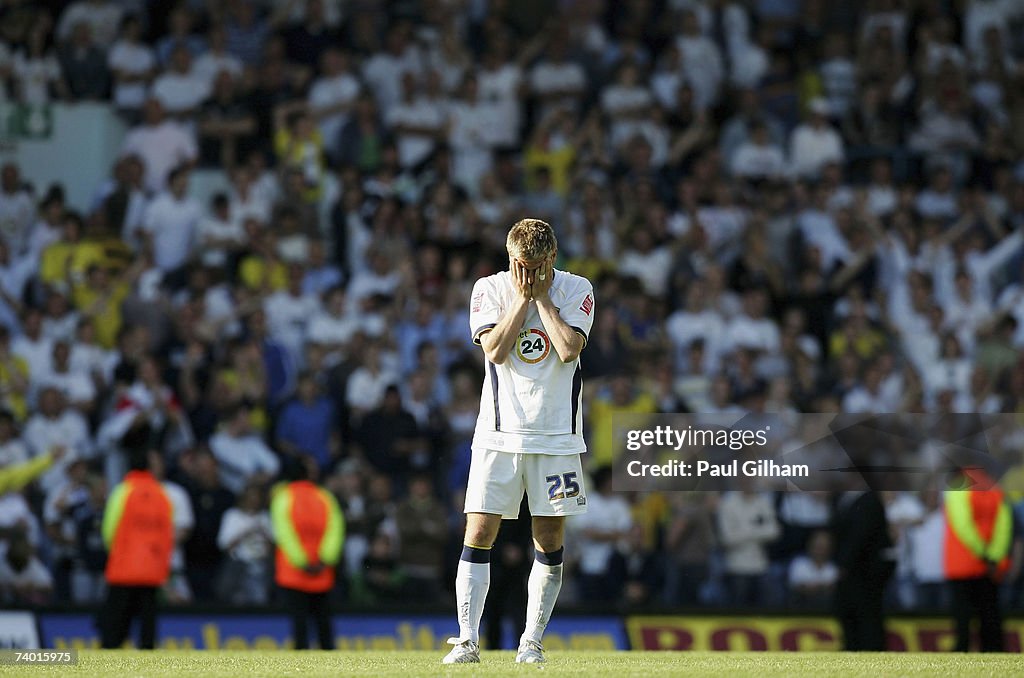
<point>746,524</point>
<point>696,321</point>
<point>24,580</point>
<point>241,454</point>
<point>17,209</point>
<point>367,384</point>
<point>600,534</point>
<point>132,64</point>
<point>982,16</point>
<point>58,511</point>
<point>869,397</point>
<point>881,191</point>
<point>36,70</point>
<point>649,262</point>
<point>702,61</point>
<point>556,81</point>
<point>320,273</point>
<point>169,224</point>
<point>183,519</point>
<point>501,82</point>
<point>289,312</point>
<point>161,144</point>
<point>218,235</point>
<point>752,328</point>
<point>471,136</point>
<point>820,231</point>
<point>102,17</point>
<point>966,309</point>
<point>814,143</point>
<point>938,200</point>
<point>668,77</point>
<point>33,346</point>
<point>383,71</point>
<point>926,538</point>
<point>332,327</point>
<point>736,129</point>
<point>749,59</point>
<point>249,198</point>
<point>418,121</point>
<point>87,356</point>
<point>217,59</point>
<point>449,57</point>
<point>246,537</point>
<point>946,133</point>
<point>78,388</point>
<point>938,46</point>
<point>950,372</point>
<point>332,96</point>
<point>181,89</point>
<point>838,75</point>
<point>56,426</point>
<point>758,157</point>
<point>812,576</point>
<point>626,101</point>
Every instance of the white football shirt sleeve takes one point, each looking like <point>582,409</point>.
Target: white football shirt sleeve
<point>578,311</point>
<point>484,308</point>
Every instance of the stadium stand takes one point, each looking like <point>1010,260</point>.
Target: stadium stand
<point>784,205</point>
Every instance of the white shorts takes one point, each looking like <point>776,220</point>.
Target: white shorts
<point>554,483</point>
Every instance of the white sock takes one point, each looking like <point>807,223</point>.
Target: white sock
<point>471,583</point>
<point>542,592</point>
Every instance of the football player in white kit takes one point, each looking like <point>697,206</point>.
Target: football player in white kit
<point>532,322</point>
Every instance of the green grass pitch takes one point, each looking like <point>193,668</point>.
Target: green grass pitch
<point>250,664</point>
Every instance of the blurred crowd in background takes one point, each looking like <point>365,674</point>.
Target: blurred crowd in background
<point>784,206</point>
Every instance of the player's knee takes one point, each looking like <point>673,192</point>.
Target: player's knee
<point>548,533</point>
<point>481,529</point>
<point>548,543</point>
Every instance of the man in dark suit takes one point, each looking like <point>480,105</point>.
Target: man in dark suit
<point>864,558</point>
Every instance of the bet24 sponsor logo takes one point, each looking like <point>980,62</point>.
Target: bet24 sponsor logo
<point>533,345</point>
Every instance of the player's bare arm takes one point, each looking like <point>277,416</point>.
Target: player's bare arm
<point>497,343</point>
<point>568,342</point>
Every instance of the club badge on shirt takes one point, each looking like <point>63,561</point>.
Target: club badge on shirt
<point>588,304</point>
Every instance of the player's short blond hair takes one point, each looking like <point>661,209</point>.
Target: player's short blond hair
<point>531,239</point>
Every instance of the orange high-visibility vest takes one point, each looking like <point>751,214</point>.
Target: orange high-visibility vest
<point>979,529</point>
<point>308,528</point>
<point>138,530</point>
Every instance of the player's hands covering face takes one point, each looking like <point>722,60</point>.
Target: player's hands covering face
<point>542,278</point>
<point>522,279</point>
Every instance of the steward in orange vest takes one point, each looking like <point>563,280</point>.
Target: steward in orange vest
<point>979,529</point>
<point>309,531</point>
<point>138,531</point>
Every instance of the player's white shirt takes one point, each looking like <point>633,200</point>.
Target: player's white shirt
<point>531,402</point>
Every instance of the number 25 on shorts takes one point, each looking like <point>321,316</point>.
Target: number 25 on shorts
<point>556,483</point>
